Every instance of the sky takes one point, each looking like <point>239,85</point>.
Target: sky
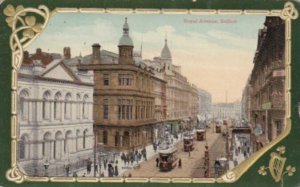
<point>215,52</point>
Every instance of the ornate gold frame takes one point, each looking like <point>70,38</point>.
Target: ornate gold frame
<point>31,30</point>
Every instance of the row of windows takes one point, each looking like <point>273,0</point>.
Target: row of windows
<point>47,149</point>
<point>128,80</point>
<point>143,109</point>
<point>59,105</point>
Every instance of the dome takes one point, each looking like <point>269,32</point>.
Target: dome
<point>165,53</point>
<point>125,40</point>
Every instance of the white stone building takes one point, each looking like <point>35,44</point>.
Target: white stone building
<point>55,117</point>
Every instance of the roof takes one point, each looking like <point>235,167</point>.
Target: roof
<point>125,39</point>
<point>167,150</point>
<point>166,53</point>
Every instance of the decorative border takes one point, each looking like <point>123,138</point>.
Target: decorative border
<point>31,30</point>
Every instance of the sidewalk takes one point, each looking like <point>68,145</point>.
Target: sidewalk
<point>121,166</point>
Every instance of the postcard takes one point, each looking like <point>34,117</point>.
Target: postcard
<point>106,93</point>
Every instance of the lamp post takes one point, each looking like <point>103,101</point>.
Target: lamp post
<point>46,166</point>
<point>95,150</point>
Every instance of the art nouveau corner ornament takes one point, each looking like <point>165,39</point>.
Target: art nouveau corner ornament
<point>28,23</point>
<point>277,166</point>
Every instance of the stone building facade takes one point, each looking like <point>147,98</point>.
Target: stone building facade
<point>267,81</point>
<point>135,98</point>
<point>226,110</point>
<point>55,117</point>
<point>127,97</point>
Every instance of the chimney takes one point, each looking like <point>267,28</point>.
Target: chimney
<point>96,59</point>
<point>38,51</point>
<point>67,53</point>
<point>26,59</point>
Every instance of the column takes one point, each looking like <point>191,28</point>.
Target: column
<point>30,116</point>
<point>62,114</point>
<point>39,111</point>
<point>51,110</point>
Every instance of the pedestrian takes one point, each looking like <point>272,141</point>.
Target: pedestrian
<point>157,162</point>
<point>179,163</point>
<point>96,167</point>
<point>67,169</point>
<point>110,170</point>
<point>88,166</point>
<point>104,164</point>
<point>129,175</point>
<point>189,152</point>
<point>116,171</point>
<point>75,174</point>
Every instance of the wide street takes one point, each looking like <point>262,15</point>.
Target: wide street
<point>190,165</point>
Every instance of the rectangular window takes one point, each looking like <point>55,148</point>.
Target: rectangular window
<point>125,79</point>
<point>105,109</point>
<point>105,79</point>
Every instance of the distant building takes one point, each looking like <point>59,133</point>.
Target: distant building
<point>226,110</point>
<point>55,107</point>
<point>205,104</point>
<point>267,81</point>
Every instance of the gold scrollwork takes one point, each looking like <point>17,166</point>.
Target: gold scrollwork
<point>14,174</point>
<point>277,166</point>
<point>289,11</point>
<point>19,21</point>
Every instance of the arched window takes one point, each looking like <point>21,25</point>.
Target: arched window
<point>84,139</point>
<point>46,105</point>
<point>57,105</point>
<point>68,137</point>
<point>68,106</point>
<point>105,137</point>
<point>57,154</point>
<point>24,106</point>
<point>23,147</point>
<point>46,149</point>
<point>85,107</point>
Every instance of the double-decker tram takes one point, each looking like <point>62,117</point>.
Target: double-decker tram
<point>167,158</point>
<point>201,134</point>
<point>188,143</point>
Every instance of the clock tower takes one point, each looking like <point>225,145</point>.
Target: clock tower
<point>125,46</point>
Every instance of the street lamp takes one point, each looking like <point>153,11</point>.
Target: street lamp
<point>46,166</point>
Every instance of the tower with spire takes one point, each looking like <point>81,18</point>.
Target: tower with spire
<point>166,57</point>
<point>125,46</point>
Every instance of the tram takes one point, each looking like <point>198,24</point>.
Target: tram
<point>188,143</point>
<point>167,158</point>
<point>201,134</point>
